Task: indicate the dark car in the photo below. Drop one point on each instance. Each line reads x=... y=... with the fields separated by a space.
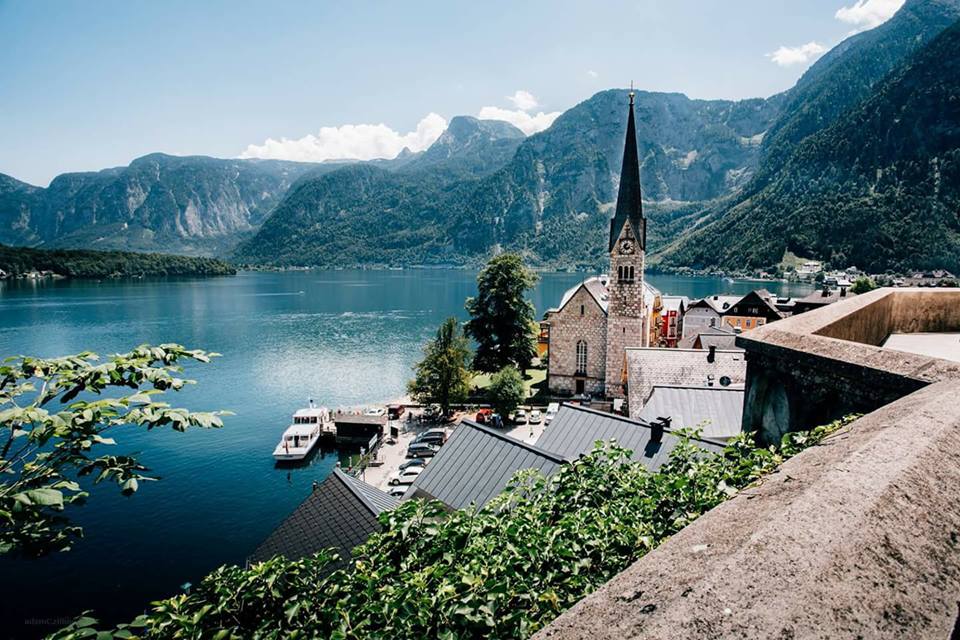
x=433 y=436
x=422 y=450
x=413 y=462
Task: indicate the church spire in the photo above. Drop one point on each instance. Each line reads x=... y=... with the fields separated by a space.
x=629 y=207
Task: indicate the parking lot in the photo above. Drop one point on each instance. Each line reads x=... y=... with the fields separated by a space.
x=391 y=456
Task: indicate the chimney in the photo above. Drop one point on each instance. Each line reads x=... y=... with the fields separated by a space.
x=657 y=428
x=712 y=354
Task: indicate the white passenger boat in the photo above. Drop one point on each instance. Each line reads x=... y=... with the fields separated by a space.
x=303 y=434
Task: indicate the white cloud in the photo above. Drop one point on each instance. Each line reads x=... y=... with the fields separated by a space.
x=523 y=100
x=526 y=122
x=521 y=117
x=867 y=14
x=351 y=141
x=787 y=56
x=592 y=73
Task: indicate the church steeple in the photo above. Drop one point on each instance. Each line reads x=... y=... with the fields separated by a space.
x=629 y=208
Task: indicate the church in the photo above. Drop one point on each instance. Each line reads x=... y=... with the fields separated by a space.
x=597 y=320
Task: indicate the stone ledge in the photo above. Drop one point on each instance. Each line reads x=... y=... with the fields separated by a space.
x=857 y=537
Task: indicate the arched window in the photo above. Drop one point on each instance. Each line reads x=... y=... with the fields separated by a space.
x=581 y=358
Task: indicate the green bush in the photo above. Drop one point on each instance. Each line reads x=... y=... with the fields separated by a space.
x=503 y=571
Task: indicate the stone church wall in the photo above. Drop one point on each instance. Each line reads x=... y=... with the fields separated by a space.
x=567 y=327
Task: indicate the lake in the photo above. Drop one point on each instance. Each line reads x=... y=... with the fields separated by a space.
x=343 y=338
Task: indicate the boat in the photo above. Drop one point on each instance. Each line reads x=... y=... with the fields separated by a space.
x=303 y=434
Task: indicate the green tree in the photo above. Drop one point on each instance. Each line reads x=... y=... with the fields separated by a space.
x=44 y=451
x=443 y=376
x=863 y=284
x=506 y=390
x=501 y=318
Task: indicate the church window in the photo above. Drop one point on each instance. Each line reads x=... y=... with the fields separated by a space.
x=581 y=357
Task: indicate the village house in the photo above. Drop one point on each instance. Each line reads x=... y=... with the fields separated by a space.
x=671 y=320
x=646 y=368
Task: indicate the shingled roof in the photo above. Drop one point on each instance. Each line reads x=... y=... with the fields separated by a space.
x=475 y=465
x=717 y=411
x=575 y=430
x=342 y=513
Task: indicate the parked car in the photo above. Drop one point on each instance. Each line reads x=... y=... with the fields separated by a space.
x=405 y=476
x=375 y=411
x=483 y=416
x=536 y=417
x=398 y=491
x=431 y=412
x=422 y=450
x=413 y=462
x=520 y=417
x=552 y=410
x=433 y=436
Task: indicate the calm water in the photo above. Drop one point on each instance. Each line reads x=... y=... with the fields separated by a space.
x=345 y=338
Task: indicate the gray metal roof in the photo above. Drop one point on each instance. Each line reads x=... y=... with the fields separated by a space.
x=341 y=512
x=475 y=465
x=716 y=410
x=575 y=430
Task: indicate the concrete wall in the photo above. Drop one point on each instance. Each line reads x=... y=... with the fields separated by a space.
x=814 y=367
x=858 y=537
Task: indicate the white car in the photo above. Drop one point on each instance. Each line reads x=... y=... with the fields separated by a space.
x=375 y=411
x=398 y=491
x=520 y=417
x=407 y=476
x=535 y=416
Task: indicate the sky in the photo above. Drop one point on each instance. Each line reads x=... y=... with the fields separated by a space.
x=95 y=84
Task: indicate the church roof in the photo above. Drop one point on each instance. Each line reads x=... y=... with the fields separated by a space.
x=629 y=207
x=596 y=286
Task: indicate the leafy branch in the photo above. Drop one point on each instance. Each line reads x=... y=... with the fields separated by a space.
x=53 y=417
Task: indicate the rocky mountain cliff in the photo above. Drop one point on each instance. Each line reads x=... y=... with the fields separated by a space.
x=556 y=186
x=190 y=205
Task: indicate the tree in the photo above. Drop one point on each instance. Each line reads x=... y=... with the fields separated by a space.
x=506 y=390
x=44 y=452
x=501 y=318
x=863 y=284
x=443 y=376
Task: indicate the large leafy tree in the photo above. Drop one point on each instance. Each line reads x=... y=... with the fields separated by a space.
x=506 y=390
x=501 y=318
x=54 y=417
x=443 y=376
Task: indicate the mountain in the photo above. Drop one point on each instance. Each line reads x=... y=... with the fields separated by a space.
x=878 y=188
x=549 y=197
x=192 y=204
x=847 y=74
x=468 y=147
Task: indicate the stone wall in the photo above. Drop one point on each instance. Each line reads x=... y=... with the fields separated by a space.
x=820 y=365
x=854 y=538
x=567 y=327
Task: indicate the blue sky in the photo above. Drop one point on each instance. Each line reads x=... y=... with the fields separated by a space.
x=88 y=85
